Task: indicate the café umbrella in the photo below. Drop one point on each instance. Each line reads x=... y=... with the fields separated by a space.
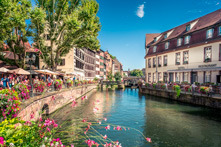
x=19 y=71
x=4 y=70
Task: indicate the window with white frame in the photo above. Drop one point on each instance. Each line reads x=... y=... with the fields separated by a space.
x=154 y=77
x=207 y=76
x=185 y=77
x=177 y=77
x=165 y=36
x=154 y=49
x=208 y=54
x=165 y=60
x=149 y=77
x=219 y=30
x=187 y=39
x=179 y=41
x=159 y=76
x=185 y=57
x=167 y=45
x=209 y=33
x=178 y=58
x=154 y=62
x=149 y=63
x=159 y=61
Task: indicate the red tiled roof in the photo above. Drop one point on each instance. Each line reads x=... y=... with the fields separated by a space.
x=203 y=22
x=150 y=37
x=10 y=55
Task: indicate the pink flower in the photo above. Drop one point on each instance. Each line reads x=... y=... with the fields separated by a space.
x=105 y=136
x=119 y=128
x=107 y=127
x=36 y=49
x=55 y=125
x=72 y=145
x=105 y=119
x=40 y=119
x=48 y=129
x=148 y=139
x=83 y=120
x=2 y=140
x=53 y=98
x=74 y=104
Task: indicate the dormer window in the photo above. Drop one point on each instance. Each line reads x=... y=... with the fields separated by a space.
x=179 y=42
x=219 y=30
x=167 y=45
x=209 y=33
x=165 y=36
x=187 y=39
x=155 y=39
x=188 y=27
x=154 y=49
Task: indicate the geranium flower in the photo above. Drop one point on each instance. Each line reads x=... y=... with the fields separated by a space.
x=2 y=140
x=148 y=139
x=105 y=136
x=107 y=127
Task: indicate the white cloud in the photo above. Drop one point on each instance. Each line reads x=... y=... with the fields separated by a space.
x=217 y=3
x=140 y=11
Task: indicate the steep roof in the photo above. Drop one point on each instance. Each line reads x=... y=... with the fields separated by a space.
x=150 y=37
x=203 y=22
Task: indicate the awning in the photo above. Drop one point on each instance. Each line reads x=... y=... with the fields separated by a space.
x=46 y=72
x=196 y=69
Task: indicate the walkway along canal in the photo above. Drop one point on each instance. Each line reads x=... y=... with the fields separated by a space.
x=167 y=122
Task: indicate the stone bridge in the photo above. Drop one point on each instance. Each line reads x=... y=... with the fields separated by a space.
x=132 y=80
x=50 y=102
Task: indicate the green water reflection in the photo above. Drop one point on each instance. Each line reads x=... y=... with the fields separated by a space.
x=167 y=123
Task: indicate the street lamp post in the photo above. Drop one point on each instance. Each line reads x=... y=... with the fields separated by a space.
x=31 y=60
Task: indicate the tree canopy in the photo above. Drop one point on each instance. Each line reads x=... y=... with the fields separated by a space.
x=14 y=31
x=136 y=72
x=65 y=24
x=117 y=76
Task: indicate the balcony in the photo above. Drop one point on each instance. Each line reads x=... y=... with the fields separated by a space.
x=185 y=62
x=207 y=60
x=154 y=66
x=165 y=64
x=159 y=65
x=177 y=63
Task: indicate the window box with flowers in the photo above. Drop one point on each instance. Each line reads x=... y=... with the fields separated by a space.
x=165 y=64
x=159 y=65
x=185 y=62
x=154 y=65
x=207 y=60
x=177 y=63
x=57 y=84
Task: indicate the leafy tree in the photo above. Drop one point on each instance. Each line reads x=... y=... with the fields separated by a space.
x=117 y=76
x=110 y=76
x=136 y=72
x=14 y=31
x=66 y=24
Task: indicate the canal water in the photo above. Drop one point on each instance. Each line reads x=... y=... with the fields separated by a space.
x=168 y=123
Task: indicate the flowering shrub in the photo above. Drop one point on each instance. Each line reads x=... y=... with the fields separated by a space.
x=204 y=90
x=22 y=90
x=147 y=85
x=9 y=103
x=39 y=86
x=17 y=132
x=69 y=83
x=57 y=84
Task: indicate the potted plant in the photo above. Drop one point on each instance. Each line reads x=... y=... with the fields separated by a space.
x=39 y=87
x=22 y=91
x=57 y=84
x=69 y=83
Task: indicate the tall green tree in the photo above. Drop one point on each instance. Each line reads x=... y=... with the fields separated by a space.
x=14 y=31
x=136 y=72
x=67 y=24
x=117 y=76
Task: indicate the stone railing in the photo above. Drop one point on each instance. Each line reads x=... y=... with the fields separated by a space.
x=50 y=102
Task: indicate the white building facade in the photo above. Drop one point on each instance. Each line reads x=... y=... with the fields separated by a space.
x=188 y=53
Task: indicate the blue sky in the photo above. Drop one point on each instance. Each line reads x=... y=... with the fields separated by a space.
x=125 y=23
x=123 y=29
